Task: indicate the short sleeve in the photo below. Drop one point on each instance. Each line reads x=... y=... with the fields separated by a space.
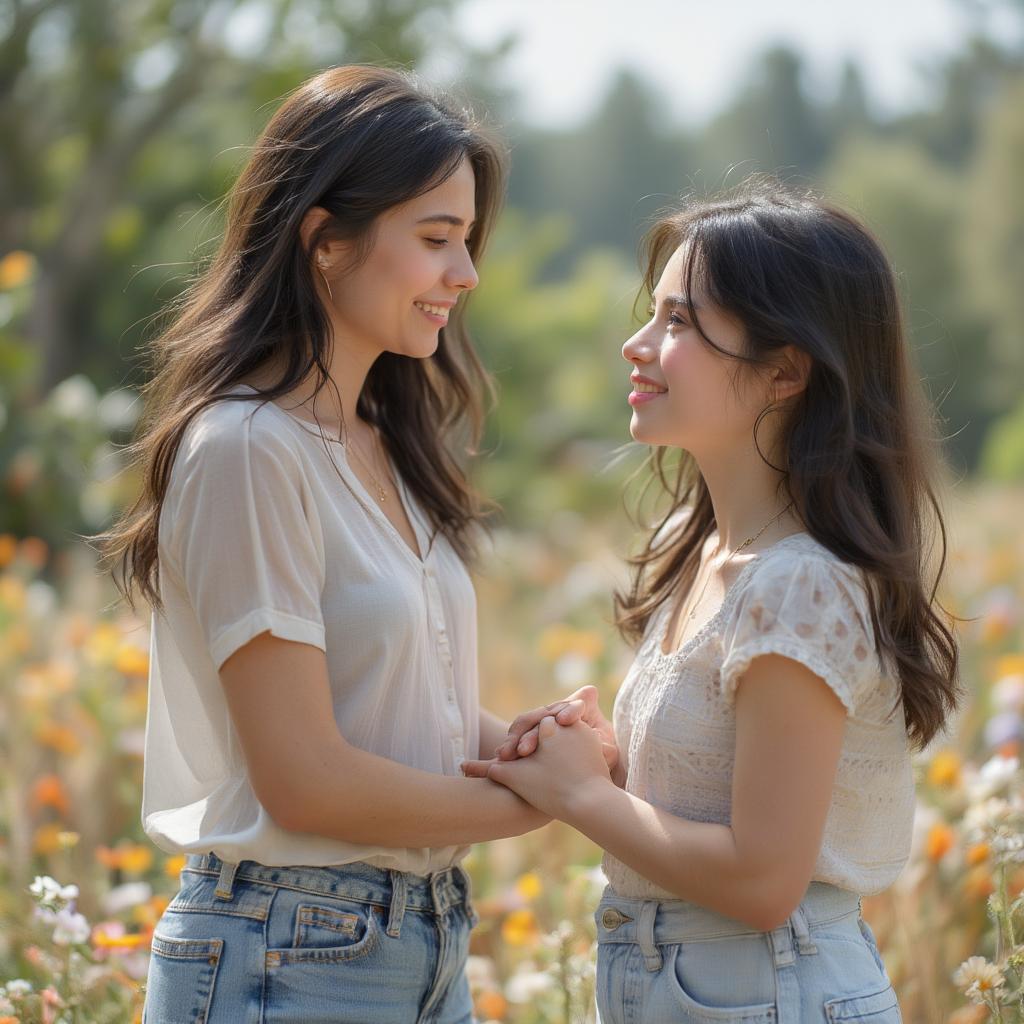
x=242 y=533
x=807 y=608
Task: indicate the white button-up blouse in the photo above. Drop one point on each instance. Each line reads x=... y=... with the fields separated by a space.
x=266 y=527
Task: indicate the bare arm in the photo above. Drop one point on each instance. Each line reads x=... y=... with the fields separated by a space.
x=789 y=733
x=310 y=779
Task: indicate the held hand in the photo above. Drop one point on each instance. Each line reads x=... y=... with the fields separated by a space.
x=522 y=734
x=567 y=766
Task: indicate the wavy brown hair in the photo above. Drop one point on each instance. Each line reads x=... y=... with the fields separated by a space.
x=861 y=453
x=356 y=141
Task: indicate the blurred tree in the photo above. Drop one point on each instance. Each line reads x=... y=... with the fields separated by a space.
x=992 y=241
x=610 y=175
x=114 y=124
x=913 y=204
x=772 y=125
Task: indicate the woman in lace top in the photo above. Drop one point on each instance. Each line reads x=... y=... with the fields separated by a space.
x=790 y=652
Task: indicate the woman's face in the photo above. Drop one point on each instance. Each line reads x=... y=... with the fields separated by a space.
x=400 y=297
x=684 y=393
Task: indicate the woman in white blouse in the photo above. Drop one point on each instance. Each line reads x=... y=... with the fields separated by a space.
x=313 y=687
x=790 y=648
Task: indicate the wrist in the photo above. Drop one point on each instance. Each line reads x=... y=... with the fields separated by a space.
x=590 y=801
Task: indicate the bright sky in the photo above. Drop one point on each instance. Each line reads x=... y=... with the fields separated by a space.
x=698 y=53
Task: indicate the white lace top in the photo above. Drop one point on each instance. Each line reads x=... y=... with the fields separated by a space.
x=675 y=714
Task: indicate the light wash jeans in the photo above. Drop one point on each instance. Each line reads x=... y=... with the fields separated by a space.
x=300 y=945
x=673 y=961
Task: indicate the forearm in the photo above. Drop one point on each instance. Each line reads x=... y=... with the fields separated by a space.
x=360 y=797
x=493 y=731
x=695 y=861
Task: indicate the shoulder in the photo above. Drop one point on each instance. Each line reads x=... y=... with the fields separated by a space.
x=802 y=576
x=230 y=438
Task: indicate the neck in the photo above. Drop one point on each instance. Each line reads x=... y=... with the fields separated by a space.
x=745 y=497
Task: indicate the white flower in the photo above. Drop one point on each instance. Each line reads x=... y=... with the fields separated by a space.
x=995 y=775
x=51 y=894
x=480 y=972
x=1008 y=693
x=984 y=818
x=71 y=928
x=126 y=896
x=18 y=987
x=526 y=984
x=573 y=670
x=977 y=977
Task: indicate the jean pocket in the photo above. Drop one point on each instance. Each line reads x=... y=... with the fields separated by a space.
x=879 y=1007
x=181 y=979
x=326 y=933
x=703 y=975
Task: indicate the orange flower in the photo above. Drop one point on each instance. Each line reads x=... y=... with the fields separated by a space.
x=491 y=1005
x=129 y=857
x=173 y=866
x=58 y=737
x=944 y=769
x=8 y=549
x=978 y=883
x=976 y=854
x=520 y=928
x=940 y=841
x=16 y=268
x=48 y=791
x=105 y=938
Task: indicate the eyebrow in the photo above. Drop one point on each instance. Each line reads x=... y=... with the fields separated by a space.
x=444 y=218
x=675 y=301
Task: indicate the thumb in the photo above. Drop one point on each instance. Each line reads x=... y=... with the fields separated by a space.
x=548 y=726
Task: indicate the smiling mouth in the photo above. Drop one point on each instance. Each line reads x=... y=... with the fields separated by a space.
x=641 y=388
x=439 y=314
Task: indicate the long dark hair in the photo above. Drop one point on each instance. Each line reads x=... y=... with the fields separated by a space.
x=355 y=140
x=861 y=450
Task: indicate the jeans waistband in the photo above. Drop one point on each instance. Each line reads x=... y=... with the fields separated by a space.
x=620 y=919
x=398 y=890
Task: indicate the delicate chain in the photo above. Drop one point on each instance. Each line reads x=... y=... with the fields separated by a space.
x=745 y=544
x=349 y=442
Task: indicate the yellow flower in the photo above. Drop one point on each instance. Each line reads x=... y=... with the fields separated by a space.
x=12 y=593
x=103 y=643
x=16 y=268
x=944 y=769
x=47 y=839
x=529 y=885
x=520 y=928
x=1009 y=665
x=132 y=661
x=173 y=866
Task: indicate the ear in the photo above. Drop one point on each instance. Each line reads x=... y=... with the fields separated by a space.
x=314 y=219
x=790 y=375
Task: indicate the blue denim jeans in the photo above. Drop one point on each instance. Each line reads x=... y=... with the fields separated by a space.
x=300 y=945
x=673 y=961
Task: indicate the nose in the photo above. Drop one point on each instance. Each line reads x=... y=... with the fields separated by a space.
x=461 y=273
x=639 y=349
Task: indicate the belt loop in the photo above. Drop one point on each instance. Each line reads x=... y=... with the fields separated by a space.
x=798 y=919
x=781 y=939
x=225 y=881
x=396 y=912
x=645 y=935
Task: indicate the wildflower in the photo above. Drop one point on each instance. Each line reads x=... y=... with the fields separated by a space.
x=978 y=978
x=944 y=769
x=17 y=988
x=71 y=928
x=940 y=841
x=48 y=791
x=529 y=886
x=520 y=928
x=995 y=775
x=527 y=983
x=51 y=894
x=982 y=819
x=123 y=897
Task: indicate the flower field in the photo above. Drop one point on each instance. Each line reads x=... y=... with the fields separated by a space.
x=82 y=889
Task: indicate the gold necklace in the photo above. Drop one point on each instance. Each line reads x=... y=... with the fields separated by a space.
x=349 y=442
x=745 y=544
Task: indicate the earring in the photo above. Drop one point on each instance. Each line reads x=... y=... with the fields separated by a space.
x=327 y=284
